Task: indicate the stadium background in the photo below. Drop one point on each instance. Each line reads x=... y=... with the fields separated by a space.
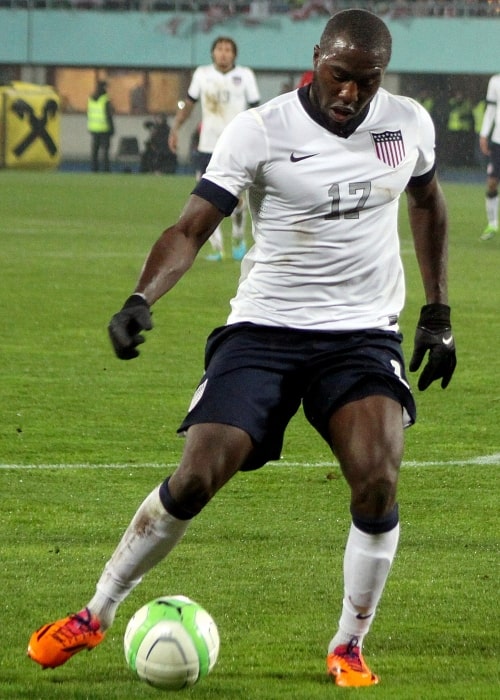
x=82 y=439
x=147 y=50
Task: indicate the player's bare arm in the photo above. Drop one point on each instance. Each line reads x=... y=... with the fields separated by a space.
x=484 y=145
x=183 y=114
x=433 y=337
x=175 y=250
x=429 y=225
x=169 y=258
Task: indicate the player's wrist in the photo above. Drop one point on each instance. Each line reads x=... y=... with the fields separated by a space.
x=135 y=299
x=435 y=316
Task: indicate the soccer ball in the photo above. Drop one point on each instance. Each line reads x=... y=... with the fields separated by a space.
x=171 y=642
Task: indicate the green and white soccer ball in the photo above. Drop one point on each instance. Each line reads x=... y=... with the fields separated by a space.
x=171 y=642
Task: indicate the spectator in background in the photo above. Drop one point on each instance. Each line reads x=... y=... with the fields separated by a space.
x=224 y=89
x=100 y=125
x=489 y=141
x=157 y=156
x=460 y=136
x=426 y=100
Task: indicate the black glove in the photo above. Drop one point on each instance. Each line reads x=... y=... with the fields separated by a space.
x=434 y=334
x=125 y=327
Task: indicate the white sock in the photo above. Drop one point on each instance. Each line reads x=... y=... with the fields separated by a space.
x=216 y=240
x=367 y=562
x=492 y=211
x=151 y=535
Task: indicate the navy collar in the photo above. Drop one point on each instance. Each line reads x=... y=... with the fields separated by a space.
x=345 y=130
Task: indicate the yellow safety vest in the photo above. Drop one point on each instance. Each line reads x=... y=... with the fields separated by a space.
x=97 y=119
x=460 y=117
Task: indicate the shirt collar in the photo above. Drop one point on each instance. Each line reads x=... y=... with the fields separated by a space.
x=343 y=130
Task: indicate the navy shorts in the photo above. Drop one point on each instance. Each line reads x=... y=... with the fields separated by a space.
x=493 y=168
x=256 y=378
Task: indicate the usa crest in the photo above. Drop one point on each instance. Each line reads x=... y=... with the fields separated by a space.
x=389 y=147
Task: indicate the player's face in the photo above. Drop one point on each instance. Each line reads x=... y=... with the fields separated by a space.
x=223 y=56
x=345 y=79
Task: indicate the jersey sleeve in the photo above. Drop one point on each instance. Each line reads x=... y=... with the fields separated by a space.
x=488 y=120
x=241 y=149
x=493 y=90
x=218 y=196
x=426 y=152
x=252 y=93
x=195 y=86
x=491 y=106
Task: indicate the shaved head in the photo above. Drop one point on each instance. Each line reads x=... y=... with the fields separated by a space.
x=358 y=29
x=349 y=64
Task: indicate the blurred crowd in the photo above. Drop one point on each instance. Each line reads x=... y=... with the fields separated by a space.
x=297 y=9
x=458 y=120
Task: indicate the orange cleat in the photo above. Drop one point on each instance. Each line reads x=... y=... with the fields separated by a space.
x=53 y=644
x=347 y=668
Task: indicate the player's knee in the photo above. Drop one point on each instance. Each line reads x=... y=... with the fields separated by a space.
x=374 y=495
x=187 y=495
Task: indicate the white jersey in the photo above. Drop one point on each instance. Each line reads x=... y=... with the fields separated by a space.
x=324 y=209
x=491 y=119
x=223 y=96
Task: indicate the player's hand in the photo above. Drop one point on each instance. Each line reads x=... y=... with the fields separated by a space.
x=125 y=327
x=434 y=334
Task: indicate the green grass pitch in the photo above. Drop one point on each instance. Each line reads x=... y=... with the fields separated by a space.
x=85 y=437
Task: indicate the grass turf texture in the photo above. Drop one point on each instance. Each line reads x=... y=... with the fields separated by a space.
x=84 y=436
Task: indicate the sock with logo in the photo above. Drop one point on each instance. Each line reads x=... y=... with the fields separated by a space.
x=370 y=550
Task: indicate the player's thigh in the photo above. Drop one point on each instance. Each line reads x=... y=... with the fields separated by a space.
x=259 y=402
x=213 y=453
x=368 y=365
x=366 y=435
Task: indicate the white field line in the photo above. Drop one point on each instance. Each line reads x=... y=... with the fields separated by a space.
x=471 y=462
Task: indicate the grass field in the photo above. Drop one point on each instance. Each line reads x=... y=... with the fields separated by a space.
x=85 y=437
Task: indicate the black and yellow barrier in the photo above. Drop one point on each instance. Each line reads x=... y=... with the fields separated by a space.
x=30 y=120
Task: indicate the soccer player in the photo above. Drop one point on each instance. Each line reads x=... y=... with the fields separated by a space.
x=314 y=321
x=489 y=142
x=225 y=90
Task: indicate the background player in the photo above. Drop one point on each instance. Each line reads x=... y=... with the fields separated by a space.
x=224 y=90
x=314 y=321
x=489 y=142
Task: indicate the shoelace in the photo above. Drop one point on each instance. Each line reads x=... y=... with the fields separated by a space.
x=352 y=655
x=74 y=625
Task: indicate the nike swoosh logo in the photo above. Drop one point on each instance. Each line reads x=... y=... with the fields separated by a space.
x=448 y=340
x=359 y=616
x=295 y=159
